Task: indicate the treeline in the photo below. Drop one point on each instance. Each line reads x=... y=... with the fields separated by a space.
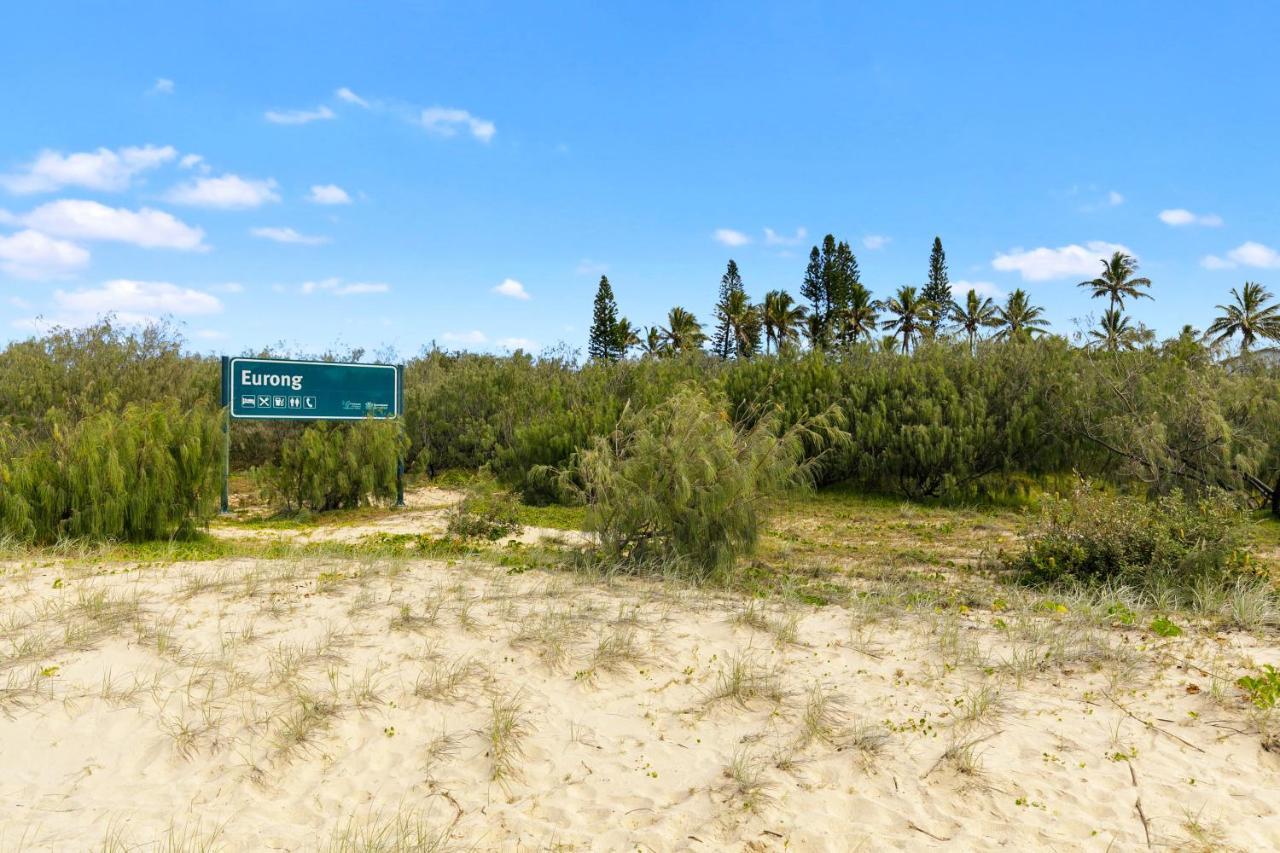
x=842 y=312
x=113 y=433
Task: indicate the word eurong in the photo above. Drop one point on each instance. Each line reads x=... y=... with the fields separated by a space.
x=273 y=380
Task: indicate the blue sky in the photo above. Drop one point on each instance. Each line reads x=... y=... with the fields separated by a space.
x=389 y=174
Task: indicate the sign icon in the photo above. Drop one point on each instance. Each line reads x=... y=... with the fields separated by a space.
x=295 y=402
x=278 y=402
x=264 y=401
x=248 y=401
x=308 y=402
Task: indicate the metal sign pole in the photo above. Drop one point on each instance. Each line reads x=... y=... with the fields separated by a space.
x=226 y=435
x=399 y=414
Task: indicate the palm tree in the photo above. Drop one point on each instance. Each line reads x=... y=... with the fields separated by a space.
x=975 y=314
x=1018 y=319
x=743 y=320
x=683 y=332
x=859 y=318
x=1115 y=332
x=782 y=318
x=1116 y=281
x=628 y=335
x=911 y=312
x=1250 y=317
x=653 y=344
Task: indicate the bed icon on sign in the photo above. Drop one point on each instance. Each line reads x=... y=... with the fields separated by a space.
x=247 y=401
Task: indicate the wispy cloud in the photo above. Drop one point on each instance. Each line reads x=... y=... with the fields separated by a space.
x=350 y=97
x=875 y=241
x=30 y=254
x=1248 y=254
x=586 y=266
x=162 y=86
x=228 y=192
x=773 y=238
x=328 y=194
x=320 y=113
x=730 y=237
x=447 y=121
x=1045 y=264
x=517 y=343
x=337 y=287
x=288 y=235
x=474 y=337
x=1179 y=217
x=103 y=170
x=512 y=289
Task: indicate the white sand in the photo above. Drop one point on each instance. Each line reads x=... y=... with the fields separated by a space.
x=195 y=738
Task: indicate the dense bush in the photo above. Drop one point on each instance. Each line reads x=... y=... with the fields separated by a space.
x=146 y=472
x=1170 y=542
x=485 y=513
x=335 y=466
x=680 y=488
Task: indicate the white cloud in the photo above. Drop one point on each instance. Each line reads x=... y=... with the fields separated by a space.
x=134 y=301
x=1249 y=254
x=875 y=241
x=517 y=343
x=773 y=238
x=586 y=266
x=729 y=237
x=229 y=287
x=320 y=113
x=474 y=337
x=191 y=161
x=30 y=254
x=79 y=219
x=345 y=94
x=163 y=86
x=361 y=287
x=228 y=192
x=103 y=170
x=210 y=334
x=1115 y=199
x=960 y=289
x=287 y=235
x=512 y=288
x=1044 y=264
x=328 y=194
x=338 y=287
x=19 y=302
x=1179 y=216
x=443 y=121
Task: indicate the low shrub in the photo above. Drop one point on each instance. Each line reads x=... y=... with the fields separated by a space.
x=485 y=514
x=150 y=471
x=1172 y=542
x=335 y=466
x=680 y=488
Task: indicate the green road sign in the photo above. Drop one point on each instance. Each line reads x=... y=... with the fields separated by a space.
x=277 y=389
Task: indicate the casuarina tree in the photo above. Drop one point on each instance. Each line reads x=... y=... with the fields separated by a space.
x=938 y=288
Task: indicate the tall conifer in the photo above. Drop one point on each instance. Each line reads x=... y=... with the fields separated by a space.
x=604 y=343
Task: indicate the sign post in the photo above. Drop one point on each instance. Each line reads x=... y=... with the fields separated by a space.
x=276 y=389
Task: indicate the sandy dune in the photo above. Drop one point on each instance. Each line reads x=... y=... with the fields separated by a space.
x=287 y=705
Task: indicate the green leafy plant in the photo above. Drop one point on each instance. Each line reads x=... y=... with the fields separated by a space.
x=1263 y=689
x=1162 y=627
